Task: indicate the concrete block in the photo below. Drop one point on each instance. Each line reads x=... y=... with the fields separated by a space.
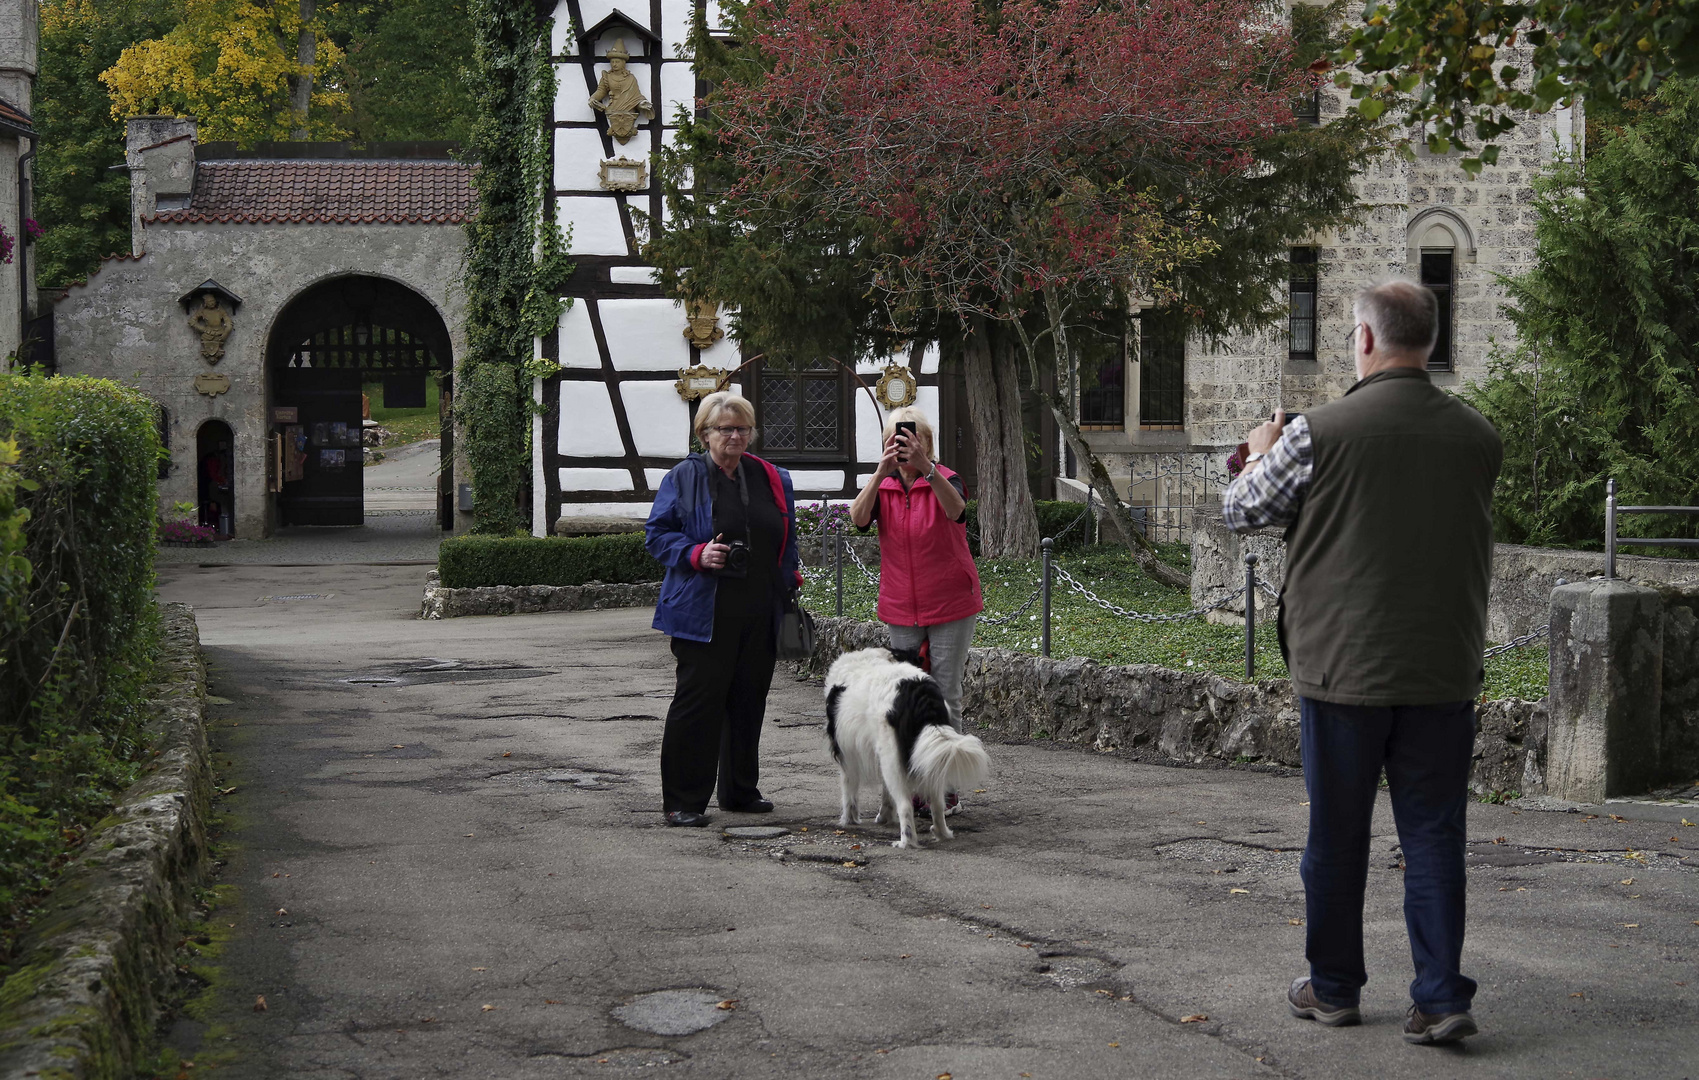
x=1606 y=687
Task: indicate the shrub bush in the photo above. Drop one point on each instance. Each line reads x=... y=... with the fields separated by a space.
x=77 y=619
x=1055 y=518
x=467 y=562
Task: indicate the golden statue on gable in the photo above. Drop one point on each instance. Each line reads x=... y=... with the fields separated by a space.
x=619 y=95
x=213 y=324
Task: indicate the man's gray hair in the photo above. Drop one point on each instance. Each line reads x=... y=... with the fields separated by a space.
x=1403 y=315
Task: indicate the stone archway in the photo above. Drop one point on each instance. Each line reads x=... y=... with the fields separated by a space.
x=326 y=342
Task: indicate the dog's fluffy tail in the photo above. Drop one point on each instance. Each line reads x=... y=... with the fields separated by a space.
x=944 y=760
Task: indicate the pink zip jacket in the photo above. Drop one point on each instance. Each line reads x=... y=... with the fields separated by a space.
x=926 y=572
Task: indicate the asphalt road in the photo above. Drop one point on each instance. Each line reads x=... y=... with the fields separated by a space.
x=448 y=860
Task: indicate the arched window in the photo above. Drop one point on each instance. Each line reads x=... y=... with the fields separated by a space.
x=1437 y=255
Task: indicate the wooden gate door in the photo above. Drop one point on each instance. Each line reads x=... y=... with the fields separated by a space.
x=331 y=490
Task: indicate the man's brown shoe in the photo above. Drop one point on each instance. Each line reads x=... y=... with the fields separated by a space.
x=1428 y=1029
x=1305 y=1006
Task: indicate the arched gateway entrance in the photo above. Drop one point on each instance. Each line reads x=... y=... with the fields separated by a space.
x=327 y=342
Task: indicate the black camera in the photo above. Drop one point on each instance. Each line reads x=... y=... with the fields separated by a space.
x=737 y=560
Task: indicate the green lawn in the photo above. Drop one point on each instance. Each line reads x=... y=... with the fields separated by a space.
x=1081 y=628
x=408 y=425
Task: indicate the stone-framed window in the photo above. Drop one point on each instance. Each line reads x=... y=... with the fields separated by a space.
x=1301 y=292
x=1438 y=275
x=1103 y=382
x=1162 y=372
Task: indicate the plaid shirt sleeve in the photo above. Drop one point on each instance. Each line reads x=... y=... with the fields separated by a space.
x=1272 y=493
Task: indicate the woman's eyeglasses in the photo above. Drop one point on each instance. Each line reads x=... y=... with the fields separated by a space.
x=737 y=432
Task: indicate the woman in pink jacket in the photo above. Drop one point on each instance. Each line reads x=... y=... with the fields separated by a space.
x=928 y=585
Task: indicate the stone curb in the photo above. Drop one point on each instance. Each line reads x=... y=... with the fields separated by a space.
x=443 y=603
x=83 y=996
x=1183 y=715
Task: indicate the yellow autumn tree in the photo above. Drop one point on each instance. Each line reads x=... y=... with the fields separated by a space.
x=230 y=64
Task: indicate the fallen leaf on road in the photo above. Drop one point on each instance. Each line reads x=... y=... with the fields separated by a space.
x=1203 y=823
x=480 y=969
x=728 y=1005
x=855 y=847
x=1631 y=926
x=259 y=1003
x=471 y=834
x=1618 y=817
x=1230 y=892
x=1114 y=1046
x=803 y=829
x=1687 y=823
x=283 y=911
x=987 y=907
x=943 y=1076
x=981 y=791
x=227 y=791
x=1295 y=922
x=1627 y=881
x=1498 y=840
x=837 y=832
x=1026 y=944
x=550 y=1001
x=1195 y=1018
x=486 y=1008
x=1578 y=994
x=1110 y=992
x=399 y=746
x=1306 y=802
x=849 y=865
x=508 y=754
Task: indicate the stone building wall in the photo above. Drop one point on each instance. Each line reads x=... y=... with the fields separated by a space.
x=126 y=323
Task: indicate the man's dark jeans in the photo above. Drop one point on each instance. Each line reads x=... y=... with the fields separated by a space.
x=1426 y=751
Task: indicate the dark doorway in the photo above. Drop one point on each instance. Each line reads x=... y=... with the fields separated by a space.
x=215 y=470
x=327 y=343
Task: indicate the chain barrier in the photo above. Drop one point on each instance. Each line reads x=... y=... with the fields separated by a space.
x=1003 y=620
x=1139 y=616
x=1518 y=642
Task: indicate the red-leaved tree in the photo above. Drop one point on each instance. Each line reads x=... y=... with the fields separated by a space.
x=1020 y=163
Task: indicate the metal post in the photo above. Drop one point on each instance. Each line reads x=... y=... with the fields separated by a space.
x=1250 y=616
x=1610 y=529
x=838 y=562
x=1044 y=587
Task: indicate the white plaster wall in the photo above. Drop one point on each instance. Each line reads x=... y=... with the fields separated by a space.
x=645 y=334
x=595 y=480
x=587 y=427
x=578 y=338
x=595 y=225
x=678 y=88
x=572 y=100
x=654 y=477
x=578 y=159
x=125 y=324
x=724 y=353
x=631 y=511
x=659 y=419
x=561 y=39
x=631 y=275
x=817 y=480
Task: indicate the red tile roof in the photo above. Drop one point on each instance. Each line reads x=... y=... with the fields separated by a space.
x=260 y=191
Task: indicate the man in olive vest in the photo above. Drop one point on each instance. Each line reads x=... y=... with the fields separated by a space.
x=1386 y=497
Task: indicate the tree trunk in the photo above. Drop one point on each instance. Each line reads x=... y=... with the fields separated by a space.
x=306 y=54
x=1062 y=408
x=1008 y=523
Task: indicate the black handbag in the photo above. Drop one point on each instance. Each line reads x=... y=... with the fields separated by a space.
x=796 y=630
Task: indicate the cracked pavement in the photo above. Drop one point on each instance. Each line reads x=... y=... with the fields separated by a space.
x=455 y=866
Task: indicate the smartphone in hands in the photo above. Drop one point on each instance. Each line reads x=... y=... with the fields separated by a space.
x=908 y=426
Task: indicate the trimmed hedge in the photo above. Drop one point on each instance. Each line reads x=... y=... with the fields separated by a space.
x=468 y=562
x=78 y=461
x=1054 y=518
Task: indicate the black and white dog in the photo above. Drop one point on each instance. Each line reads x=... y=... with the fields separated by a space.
x=887 y=718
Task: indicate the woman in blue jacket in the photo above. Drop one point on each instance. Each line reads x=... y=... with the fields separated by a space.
x=724 y=526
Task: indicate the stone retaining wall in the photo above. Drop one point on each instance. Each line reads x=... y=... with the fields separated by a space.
x=1523 y=577
x=1182 y=715
x=441 y=603
x=83 y=997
